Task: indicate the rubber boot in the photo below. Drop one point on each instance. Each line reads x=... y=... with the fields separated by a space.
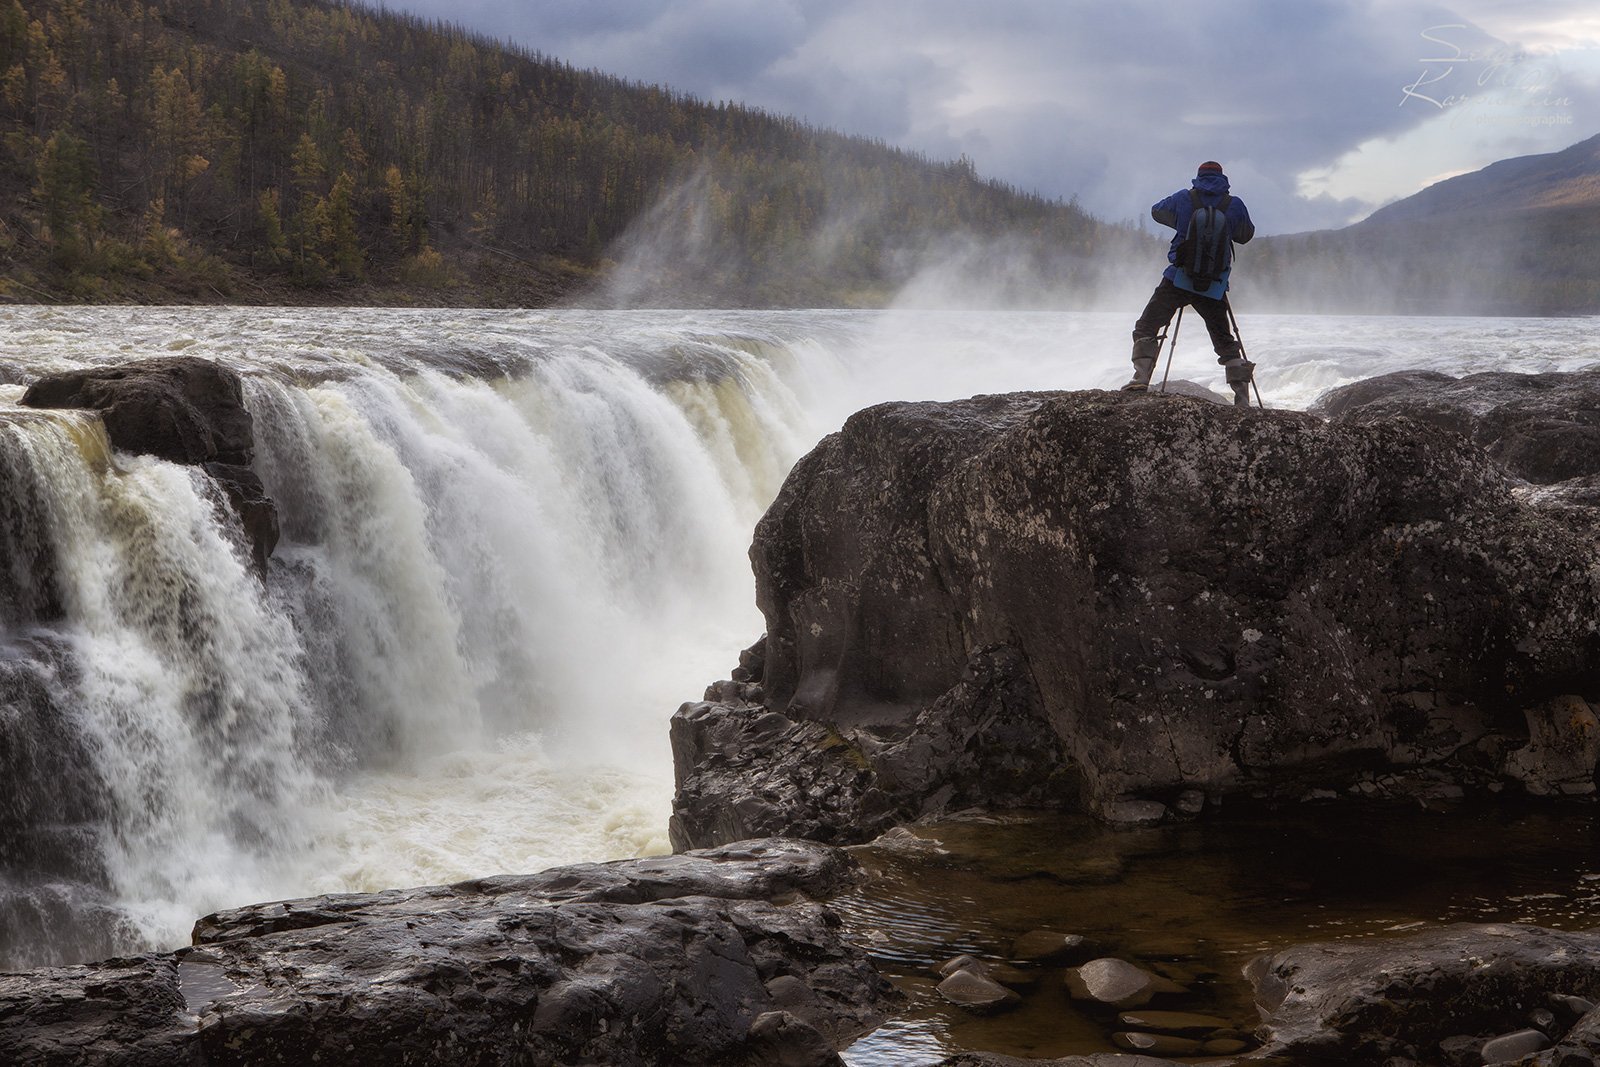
x=1240 y=373
x=1146 y=350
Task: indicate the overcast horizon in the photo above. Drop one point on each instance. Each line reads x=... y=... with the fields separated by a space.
x=1320 y=112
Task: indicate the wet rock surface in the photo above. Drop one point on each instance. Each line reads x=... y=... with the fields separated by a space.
x=717 y=957
x=1095 y=599
x=179 y=408
x=1541 y=427
x=745 y=770
x=1444 y=995
x=1117 y=983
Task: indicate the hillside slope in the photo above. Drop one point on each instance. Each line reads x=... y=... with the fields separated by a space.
x=1569 y=178
x=299 y=151
x=1515 y=238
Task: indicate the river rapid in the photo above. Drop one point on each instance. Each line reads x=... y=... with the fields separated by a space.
x=512 y=543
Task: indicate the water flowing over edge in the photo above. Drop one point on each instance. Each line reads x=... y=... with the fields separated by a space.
x=512 y=542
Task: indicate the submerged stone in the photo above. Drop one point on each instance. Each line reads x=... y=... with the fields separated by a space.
x=1572 y=1008
x=1050 y=946
x=1174 y=1021
x=1223 y=1046
x=1158 y=1044
x=974 y=991
x=1117 y=983
x=1514 y=1046
x=1135 y=812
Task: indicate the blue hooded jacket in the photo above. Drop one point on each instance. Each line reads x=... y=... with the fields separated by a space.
x=1175 y=210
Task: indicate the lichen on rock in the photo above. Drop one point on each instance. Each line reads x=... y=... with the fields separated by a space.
x=1153 y=599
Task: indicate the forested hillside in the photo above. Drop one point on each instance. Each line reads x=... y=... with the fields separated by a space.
x=298 y=151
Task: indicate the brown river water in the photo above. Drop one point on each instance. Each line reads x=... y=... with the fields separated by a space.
x=1203 y=897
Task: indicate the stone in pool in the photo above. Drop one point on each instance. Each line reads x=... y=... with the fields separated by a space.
x=1004 y=973
x=1509 y=1047
x=971 y=990
x=1049 y=946
x=1172 y=1021
x=1117 y=983
x=1160 y=1044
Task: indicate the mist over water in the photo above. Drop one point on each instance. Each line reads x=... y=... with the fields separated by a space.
x=512 y=543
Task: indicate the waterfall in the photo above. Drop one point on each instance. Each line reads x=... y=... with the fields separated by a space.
x=496 y=577
x=511 y=543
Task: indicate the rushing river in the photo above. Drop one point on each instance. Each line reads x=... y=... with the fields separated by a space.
x=512 y=543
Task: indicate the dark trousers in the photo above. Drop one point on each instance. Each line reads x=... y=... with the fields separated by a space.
x=1165 y=302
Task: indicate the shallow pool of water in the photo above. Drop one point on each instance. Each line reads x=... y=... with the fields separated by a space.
x=1204 y=898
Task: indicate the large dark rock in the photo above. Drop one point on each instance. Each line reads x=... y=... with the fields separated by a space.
x=1541 y=427
x=179 y=408
x=1172 y=596
x=1362 y=1002
x=663 y=961
x=744 y=770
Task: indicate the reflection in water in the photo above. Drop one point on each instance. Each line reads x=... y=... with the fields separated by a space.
x=1204 y=897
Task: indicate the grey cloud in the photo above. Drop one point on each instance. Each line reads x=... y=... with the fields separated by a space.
x=1113 y=103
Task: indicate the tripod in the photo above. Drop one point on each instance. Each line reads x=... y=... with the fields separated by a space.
x=1173 y=347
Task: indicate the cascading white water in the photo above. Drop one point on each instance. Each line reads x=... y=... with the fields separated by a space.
x=512 y=543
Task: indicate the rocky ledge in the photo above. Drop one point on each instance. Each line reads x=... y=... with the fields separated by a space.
x=721 y=957
x=182 y=409
x=1139 y=604
x=1458 y=996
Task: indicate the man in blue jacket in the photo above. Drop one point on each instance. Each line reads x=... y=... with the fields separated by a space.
x=1210 y=188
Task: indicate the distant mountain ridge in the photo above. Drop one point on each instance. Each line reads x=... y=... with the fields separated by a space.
x=1568 y=178
x=1518 y=237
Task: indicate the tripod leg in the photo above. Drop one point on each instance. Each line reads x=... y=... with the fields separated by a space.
x=1233 y=320
x=1171 y=349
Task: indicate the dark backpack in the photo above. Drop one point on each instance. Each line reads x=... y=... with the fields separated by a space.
x=1207 y=249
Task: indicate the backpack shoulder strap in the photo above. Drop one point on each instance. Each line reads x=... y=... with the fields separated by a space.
x=1222 y=205
x=1194 y=197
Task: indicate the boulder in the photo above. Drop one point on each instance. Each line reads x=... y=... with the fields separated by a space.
x=663 y=961
x=744 y=770
x=1542 y=427
x=1157 y=1044
x=972 y=989
x=178 y=408
x=1364 y=1001
x=1509 y=1048
x=1176 y=1022
x=1051 y=946
x=1093 y=599
x=1117 y=983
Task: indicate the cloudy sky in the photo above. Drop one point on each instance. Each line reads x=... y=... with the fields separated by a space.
x=1319 y=110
